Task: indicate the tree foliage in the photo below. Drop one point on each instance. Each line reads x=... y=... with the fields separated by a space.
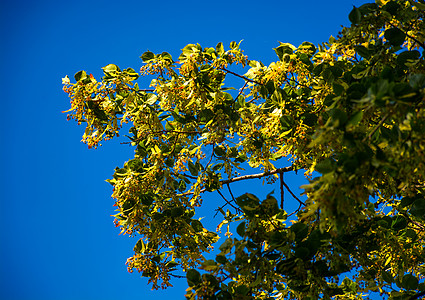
x=349 y=113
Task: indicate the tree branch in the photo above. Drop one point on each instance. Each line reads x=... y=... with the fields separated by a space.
x=252 y=176
x=240 y=92
x=240 y=76
x=227 y=202
x=260 y=175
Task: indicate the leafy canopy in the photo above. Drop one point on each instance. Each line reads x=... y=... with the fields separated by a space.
x=349 y=113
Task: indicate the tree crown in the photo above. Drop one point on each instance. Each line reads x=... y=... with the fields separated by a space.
x=349 y=113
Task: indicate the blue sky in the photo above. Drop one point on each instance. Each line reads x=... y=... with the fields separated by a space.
x=57 y=237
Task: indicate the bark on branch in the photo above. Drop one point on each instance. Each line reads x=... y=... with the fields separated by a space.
x=259 y=175
x=245 y=177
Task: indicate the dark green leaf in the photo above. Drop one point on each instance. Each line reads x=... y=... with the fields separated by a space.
x=399 y=222
x=410 y=282
x=325 y=166
x=220 y=151
x=308 y=47
x=221 y=259
x=302 y=252
x=241 y=229
x=395 y=36
x=197 y=225
x=192 y=168
x=284 y=48
x=418 y=208
x=355 y=15
x=362 y=51
x=193 y=277
x=407 y=57
x=387 y=277
x=300 y=230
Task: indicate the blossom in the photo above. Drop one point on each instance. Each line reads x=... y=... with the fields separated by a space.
x=66 y=80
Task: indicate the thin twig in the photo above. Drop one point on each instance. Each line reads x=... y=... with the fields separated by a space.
x=227 y=201
x=240 y=92
x=293 y=195
x=297 y=210
x=240 y=76
x=177 y=276
x=144 y=90
x=230 y=191
x=376 y=127
x=281 y=190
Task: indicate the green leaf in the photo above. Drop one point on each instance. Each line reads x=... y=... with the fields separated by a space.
x=362 y=51
x=249 y=203
x=140 y=247
x=146 y=199
x=192 y=169
x=226 y=246
x=166 y=56
x=355 y=15
x=399 y=222
x=418 y=208
x=395 y=36
x=168 y=126
x=339 y=117
x=219 y=151
x=325 y=166
x=151 y=99
x=147 y=56
x=406 y=58
x=193 y=277
x=209 y=265
x=284 y=48
x=241 y=229
x=177 y=211
x=234 y=45
x=387 y=277
x=221 y=259
x=81 y=75
x=196 y=225
x=409 y=282
x=309 y=48
x=219 y=48
x=111 y=68
x=242 y=290
x=417 y=81
x=356 y=118
x=300 y=230
x=302 y=252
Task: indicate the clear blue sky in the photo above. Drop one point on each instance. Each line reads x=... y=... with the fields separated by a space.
x=57 y=238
